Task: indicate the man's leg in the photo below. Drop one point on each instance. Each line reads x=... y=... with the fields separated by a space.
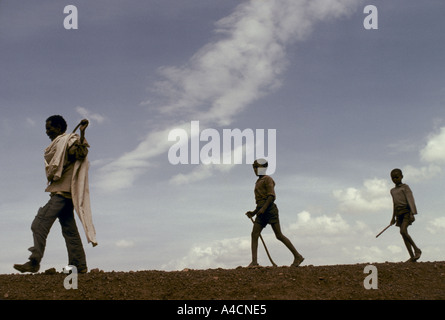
x=42 y=224
x=40 y=227
x=298 y=258
x=76 y=253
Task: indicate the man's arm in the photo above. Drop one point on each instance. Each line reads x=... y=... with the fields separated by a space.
x=79 y=150
x=83 y=127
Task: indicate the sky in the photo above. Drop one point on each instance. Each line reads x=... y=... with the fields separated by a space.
x=339 y=104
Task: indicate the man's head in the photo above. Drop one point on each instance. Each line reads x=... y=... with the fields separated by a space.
x=260 y=167
x=55 y=126
x=396 y=176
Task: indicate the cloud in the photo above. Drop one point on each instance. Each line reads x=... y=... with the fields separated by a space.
x=199 y=173
x=120 y=173
x=370 y=253
x=313 y=236
x=434 y=150
x=31 y=122
x=226 y=253
x=85 y=113
x=326 y=225
x=373 y=196
x=420 y=174
x=123 y=244
x=437 y=226
x=225 y=76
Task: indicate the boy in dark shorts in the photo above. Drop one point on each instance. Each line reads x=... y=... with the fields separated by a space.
x=404 y=211
x=267 y=213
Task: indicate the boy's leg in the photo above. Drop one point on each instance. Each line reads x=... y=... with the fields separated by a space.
x=409 y=243
x=298 y=258
x=76 y=253
x=256 y=231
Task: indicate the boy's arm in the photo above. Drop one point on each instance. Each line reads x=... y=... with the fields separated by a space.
x=410 y=200
x=393 y=219
x=269 y=201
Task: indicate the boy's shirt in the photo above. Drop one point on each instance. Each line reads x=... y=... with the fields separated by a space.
x=264 y=187
x=403 y=198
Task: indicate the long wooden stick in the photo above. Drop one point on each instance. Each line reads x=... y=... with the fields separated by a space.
x=383 y=230
x=264 y=244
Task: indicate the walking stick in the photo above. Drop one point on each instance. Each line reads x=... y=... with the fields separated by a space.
x=83 y=122
x=383 y=230
x=264 y=244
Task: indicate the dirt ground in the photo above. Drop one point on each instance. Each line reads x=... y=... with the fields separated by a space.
x=395 y=281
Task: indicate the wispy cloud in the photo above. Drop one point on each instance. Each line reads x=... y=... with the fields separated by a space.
x=227 y=75
x=199 y=173
x=30 y=122
x=85 y=113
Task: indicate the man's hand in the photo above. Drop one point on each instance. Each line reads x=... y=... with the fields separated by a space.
x=250 y=214
x=84 y=124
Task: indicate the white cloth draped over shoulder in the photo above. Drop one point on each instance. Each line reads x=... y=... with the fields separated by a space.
x=55 y=156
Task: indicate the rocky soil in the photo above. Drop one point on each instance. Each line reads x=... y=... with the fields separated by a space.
x=395 y=281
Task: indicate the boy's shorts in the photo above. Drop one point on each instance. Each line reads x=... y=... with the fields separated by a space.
x=408 y=217
x=270 y=216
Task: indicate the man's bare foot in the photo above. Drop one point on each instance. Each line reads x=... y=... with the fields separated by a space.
x=297 y=261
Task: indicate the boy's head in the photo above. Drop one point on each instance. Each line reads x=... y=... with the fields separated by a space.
x=260 y=167
x=55 y=126
x=396 y=176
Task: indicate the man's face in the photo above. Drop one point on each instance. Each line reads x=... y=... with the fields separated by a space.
x=51 y=131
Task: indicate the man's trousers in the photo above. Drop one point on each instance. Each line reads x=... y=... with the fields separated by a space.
x=63 y=209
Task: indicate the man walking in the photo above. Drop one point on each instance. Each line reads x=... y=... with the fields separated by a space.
x=66 y=166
